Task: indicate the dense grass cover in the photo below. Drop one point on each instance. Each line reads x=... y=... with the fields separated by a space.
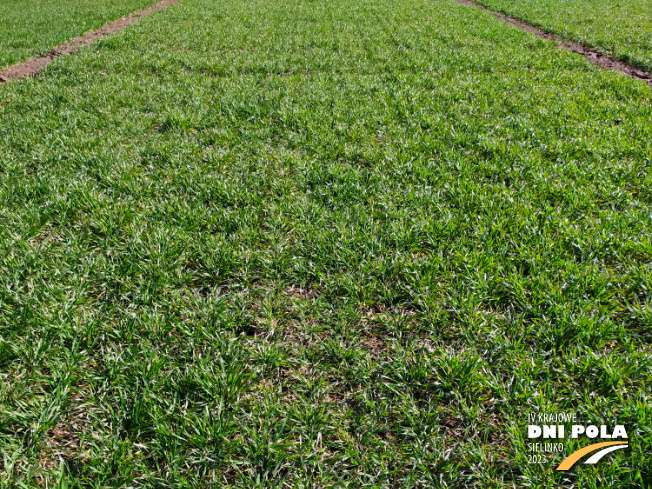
x=622 y=28
x=32 y=27
x=274 y=243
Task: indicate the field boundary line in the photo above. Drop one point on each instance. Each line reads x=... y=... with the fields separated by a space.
x=593 y=56
x=33 y=66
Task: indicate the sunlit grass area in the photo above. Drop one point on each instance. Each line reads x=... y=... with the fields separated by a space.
x=303 y=244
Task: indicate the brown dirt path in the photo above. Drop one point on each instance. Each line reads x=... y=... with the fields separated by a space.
x=595 y=57
x=32 y=66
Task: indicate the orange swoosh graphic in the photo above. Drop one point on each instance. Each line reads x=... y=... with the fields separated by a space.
x=575 y=456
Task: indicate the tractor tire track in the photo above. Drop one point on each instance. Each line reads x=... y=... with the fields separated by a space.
x=33 y=66
x=594 y=57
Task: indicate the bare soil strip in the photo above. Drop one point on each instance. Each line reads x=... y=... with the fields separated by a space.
x=593 y=56
x=32 y=66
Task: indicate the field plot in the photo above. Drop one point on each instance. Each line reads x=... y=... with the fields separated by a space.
x=32 y=27
x=300 y=244
x=622 y=28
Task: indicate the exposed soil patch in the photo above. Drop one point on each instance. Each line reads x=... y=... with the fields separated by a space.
x=593 y=56
x=300 y=293
x=33 y=66
x=375 y=346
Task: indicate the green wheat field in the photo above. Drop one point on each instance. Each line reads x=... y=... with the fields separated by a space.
x=319 y=244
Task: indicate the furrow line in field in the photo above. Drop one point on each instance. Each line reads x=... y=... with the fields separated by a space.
x=33 y=66
x=593 y=56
